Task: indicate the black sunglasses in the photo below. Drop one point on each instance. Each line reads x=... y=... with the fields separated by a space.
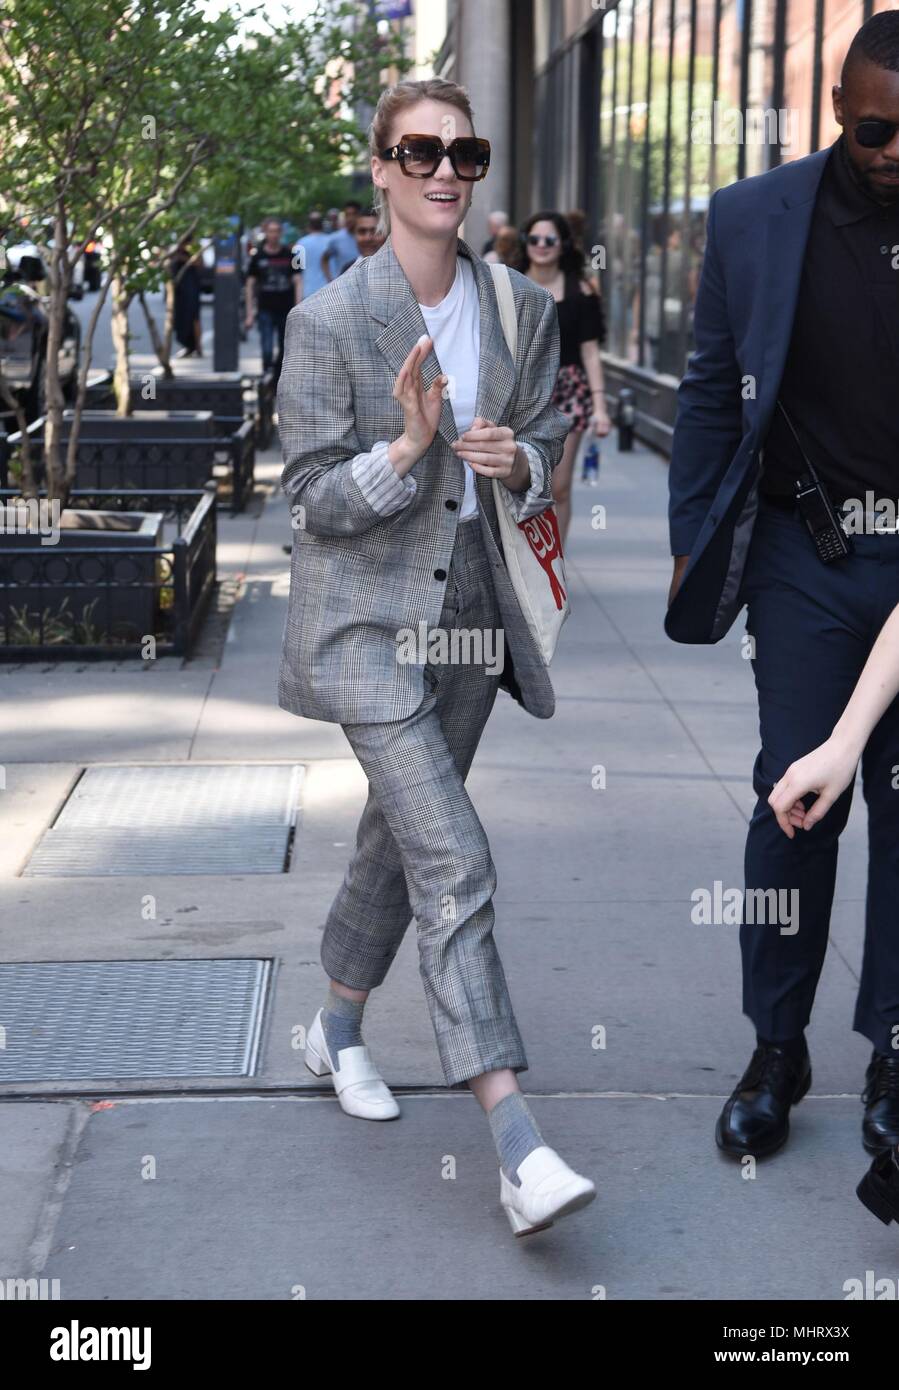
x=874 y=134
x=420 y=156
x=542 y=240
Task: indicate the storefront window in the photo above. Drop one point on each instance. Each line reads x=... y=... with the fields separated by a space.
x=636 y=347
x=841 y=20
x=689 y=95
x=799 y=75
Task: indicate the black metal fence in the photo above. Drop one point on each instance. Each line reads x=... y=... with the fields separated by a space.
x=153 y=463
x=110 y=597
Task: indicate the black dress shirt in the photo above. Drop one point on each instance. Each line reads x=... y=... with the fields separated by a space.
x=840 y=385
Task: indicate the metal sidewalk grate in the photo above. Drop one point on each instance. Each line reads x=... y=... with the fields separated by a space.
x=131 y=1019
x=189 y=819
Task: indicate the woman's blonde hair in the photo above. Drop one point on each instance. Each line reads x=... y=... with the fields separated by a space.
x=397 y=99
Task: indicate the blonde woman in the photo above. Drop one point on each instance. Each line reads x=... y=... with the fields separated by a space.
x=826 y=772
x=398 y=405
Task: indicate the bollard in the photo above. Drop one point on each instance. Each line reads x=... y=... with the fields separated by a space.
x=625 y=416
x=590 y=467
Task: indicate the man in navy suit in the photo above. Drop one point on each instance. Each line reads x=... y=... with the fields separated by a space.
x=795 y=374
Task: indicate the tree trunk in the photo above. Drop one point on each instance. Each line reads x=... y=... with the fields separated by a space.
x=121 y=300
x=170 y=325
x=162 y=346
x=57 y=486
x=87 y=352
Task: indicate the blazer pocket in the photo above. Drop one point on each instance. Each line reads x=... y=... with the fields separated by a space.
x=347 y=550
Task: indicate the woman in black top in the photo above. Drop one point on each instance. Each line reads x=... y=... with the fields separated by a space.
x=551 y=258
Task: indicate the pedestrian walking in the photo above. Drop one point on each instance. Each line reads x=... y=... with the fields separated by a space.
x=342 y=248
x=274 y=287
x=495 y=220
x=366 y=235
x=398 y=406
x=506 y=248
x=184 y=271
x=550 y=257
x=798 y=301
x=308 y=252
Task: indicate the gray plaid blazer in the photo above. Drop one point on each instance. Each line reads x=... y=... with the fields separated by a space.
x=372 y=550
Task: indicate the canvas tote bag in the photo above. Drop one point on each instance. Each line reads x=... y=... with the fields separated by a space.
x=533 y=548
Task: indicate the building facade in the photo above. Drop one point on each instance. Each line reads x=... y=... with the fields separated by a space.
x=635 y=111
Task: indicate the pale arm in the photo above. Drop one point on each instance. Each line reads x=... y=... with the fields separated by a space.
x=829 y=769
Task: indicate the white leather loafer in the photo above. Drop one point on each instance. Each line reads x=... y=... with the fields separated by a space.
x=549 y=1189
x=359 y=1086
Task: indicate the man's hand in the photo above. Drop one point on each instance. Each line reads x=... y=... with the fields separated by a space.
x=680 y=564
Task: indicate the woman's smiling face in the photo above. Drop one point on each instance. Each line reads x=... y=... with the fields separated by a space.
x=545 y=255
x=434 y=206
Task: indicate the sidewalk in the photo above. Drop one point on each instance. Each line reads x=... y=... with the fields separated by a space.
x=263 y=1183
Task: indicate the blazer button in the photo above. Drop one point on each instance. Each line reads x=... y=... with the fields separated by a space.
x=451 y=503
x=440 y=574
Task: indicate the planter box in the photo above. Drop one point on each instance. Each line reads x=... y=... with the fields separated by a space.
x=220 y=392
x=105 y=425
x=109 y=580
x=157 y=449
x=97 y=583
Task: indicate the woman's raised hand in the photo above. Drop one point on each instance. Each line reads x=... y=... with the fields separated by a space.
x=421 y=407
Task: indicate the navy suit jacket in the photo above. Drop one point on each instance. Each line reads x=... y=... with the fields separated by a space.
x=743 y=320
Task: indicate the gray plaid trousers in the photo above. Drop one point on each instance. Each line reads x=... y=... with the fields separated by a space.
x=421 y=849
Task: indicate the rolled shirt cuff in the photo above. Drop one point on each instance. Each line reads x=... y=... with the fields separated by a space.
x=533 y=501
x=378 y=481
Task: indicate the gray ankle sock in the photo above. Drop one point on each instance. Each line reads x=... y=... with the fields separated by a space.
x=342 y=1022
x=515 y=1133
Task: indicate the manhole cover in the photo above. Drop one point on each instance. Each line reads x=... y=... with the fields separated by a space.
x=86 y=1020
x=190 y=819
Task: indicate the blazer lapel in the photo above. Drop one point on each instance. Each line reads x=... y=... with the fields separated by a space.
x=392 y=303
x=787 y=232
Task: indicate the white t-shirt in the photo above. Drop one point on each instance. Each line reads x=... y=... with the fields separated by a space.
x=455 y=327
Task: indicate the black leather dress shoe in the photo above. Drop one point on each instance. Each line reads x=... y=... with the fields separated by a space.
x=879 y=1188
x=880 y=1127
x=756 y=1118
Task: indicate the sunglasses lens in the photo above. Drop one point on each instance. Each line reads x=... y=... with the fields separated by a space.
x=872 y=134
x=472 y=159
x=420 y=156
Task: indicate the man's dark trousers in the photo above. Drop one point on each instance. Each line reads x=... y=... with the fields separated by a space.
x=813 y=627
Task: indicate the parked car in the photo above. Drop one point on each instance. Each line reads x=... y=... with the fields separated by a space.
x=23 y=336
x=35 y=252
